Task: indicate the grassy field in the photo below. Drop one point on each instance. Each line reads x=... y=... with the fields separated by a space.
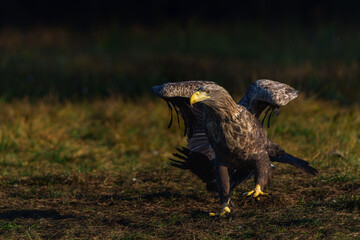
x=98 y=170
x=84 y=147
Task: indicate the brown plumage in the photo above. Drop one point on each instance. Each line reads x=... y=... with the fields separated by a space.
x=229 y=135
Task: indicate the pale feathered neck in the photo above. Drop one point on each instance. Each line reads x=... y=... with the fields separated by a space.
x=223 y=107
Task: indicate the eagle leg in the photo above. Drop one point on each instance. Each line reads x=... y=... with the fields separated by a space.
x=223 y=212
x=223 y=186
x=263 y=173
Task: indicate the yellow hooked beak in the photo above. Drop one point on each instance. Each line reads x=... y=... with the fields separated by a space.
x=198 y=97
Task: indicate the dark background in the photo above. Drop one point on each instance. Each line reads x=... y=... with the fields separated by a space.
x=86 y=49
x=84 y=14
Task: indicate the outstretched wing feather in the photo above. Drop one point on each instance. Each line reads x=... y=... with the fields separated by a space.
x=265 y=93
x=177 y=95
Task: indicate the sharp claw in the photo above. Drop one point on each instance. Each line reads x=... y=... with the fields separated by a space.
x=249 y=193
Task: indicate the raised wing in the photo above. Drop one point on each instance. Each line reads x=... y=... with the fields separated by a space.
x=199 y=156
x=269 y=94
x=177 y=95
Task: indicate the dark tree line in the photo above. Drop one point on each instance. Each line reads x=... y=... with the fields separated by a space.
x=83 y=13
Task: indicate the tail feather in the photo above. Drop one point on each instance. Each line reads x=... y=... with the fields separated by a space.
x=197 y=163
x=296 y=162
x=202 y=167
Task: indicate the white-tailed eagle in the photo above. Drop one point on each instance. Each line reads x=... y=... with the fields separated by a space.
x=227 y=143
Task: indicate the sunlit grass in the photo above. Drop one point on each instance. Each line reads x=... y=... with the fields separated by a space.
x=111 y=134
x=68 y=167
x=46 y=137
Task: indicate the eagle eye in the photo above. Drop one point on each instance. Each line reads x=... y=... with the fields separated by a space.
x=208 y=92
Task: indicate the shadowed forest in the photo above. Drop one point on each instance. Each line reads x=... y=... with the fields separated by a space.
x=84 y=144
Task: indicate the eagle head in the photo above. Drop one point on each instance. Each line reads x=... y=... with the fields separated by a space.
x=209 y=94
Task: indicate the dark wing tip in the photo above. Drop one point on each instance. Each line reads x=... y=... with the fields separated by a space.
x=296 y=162
x=157 y=90
x=311 y=170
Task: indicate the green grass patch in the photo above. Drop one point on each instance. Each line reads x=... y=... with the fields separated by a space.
x=80 y=170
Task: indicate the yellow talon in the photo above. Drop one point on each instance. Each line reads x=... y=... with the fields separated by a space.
x=256 y=193
x=224 y=211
